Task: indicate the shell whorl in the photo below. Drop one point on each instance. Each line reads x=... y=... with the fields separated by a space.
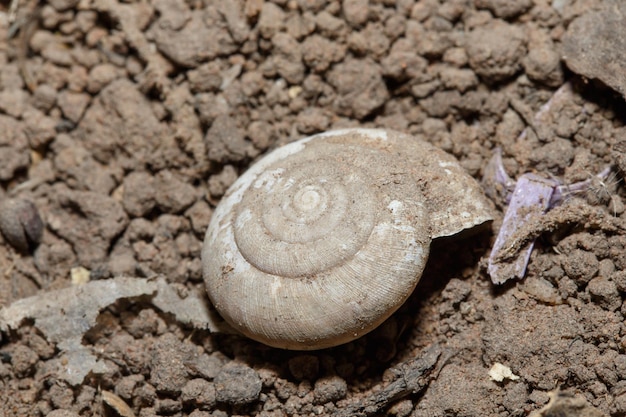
x=300 y=219
x=321 y=240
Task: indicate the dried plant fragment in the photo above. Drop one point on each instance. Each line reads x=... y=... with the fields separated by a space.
x=116 y=403
x=63 y=316
x=525 y=218
x=412 y=377
x=531 y=197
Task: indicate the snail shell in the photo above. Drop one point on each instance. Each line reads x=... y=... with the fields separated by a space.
x=323 y=239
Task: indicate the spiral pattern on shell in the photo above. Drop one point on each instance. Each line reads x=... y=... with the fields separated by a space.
x=323 y=239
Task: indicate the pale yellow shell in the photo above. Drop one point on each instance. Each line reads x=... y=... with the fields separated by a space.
x=323 y=239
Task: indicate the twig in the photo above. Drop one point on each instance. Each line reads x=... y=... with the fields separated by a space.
x=413 y=377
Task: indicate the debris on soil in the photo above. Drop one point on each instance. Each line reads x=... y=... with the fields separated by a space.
x=531 y=197
x=594 y=45
x=567 y=404
x=574 y=212
x=63 y=316
x=117 y=404
x=411 y=377
x=499 y=373
x=496 y=182
x=79 y=275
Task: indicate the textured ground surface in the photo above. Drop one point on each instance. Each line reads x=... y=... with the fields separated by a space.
x=125 y=122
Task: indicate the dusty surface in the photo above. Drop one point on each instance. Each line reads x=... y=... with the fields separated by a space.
x=124 y=124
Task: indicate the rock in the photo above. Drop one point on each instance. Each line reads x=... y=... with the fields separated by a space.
x=594 y=45
x=495 y=50
x=328 y=389
x=237 y=384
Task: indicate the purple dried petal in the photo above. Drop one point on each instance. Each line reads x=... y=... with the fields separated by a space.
x=496 y=182
x=531 y=197
x=563 y=191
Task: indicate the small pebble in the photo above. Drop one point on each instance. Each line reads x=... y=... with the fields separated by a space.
x=79 y=275
x=167 y=406
x=604 y=293
x=199 y=393
x=581 y=266
x=20 y=224
x=23 y=360
x=328 y=389
x=619 y=278
x=237 y=384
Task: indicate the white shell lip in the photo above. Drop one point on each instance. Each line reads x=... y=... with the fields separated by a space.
x=379 y=134
x=304 y=313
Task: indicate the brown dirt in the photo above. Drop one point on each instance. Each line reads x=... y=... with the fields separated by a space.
x=124 y=123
